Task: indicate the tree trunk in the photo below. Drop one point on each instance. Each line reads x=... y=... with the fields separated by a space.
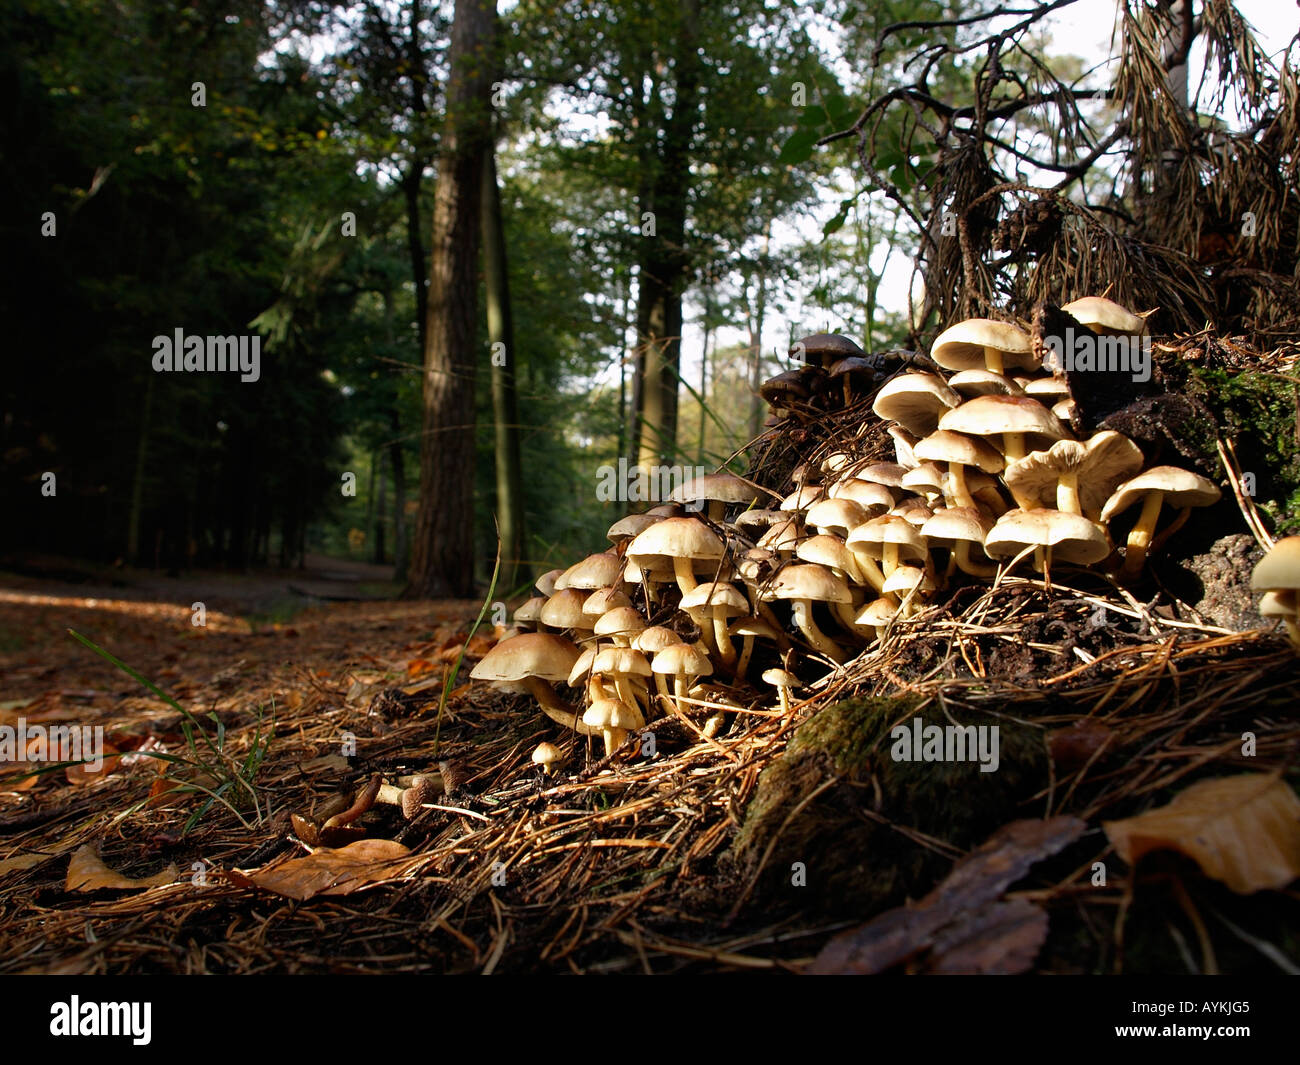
x=398 y=460
x=664 y=260
x=442 y=559
x=505 y=408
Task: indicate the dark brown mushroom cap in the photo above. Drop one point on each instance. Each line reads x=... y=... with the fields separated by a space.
x=825 y=349
x=793 y=386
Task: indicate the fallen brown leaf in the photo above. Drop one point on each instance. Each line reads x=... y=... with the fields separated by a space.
x=22 y=861
x=963 y=911
x=87 y=872
x=329 y=872
x=1242 y=830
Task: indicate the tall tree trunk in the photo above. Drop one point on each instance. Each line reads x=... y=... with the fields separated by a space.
x=756 y=404
x=704 y=366
x=137 y=478
x=381 y=518
x=664 y=260
x=505 y=408
x=398 y=460
x=442 y=557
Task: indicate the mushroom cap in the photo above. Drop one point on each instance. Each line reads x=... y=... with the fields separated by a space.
x=529 y=612
x=625 y=660
x=835 y=515
x=621 y=621
x=683 y=658
x=947 y=446
x=1182 y=488
x=752 y=626
x=903 y=444
x=905 y=578
x=532 y=654
x=808 y=581
x=961 y=347
x=872 y=498
x=1279 y=570
x=594 y=571
x=1100 y=464
x=926 y=479
x=1072 y=537
x=603 y=600
x=563 y=610
x=915 y=401
x=983 y=383
x=1048 y=390
x=655 y=639
x=955 y=524
x=547 y=754
x=1105 y=316
x=714 y=596
x=856 y=368
x=825 y=348
x=877 y=612
x=783 y=537
x=756 y=563
x=1278 y=603
x=627 y=528
x=721 y=487
x=582 y=667
x=826 y=550
x=612 y=714
x=757 y=520
x=870 y=538
x=914 y=511
x=995 y=415
x=889 y=474
x=803 y=497
x=780 y=678
x=425 y=787
x=545 y=584
x=676 y=538
x=790 y=386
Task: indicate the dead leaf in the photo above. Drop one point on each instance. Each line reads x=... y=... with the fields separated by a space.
x=87 y=872
x=1071 y=748
x=417 y=667
x=22 y=861
x=964 y=908
x=1003 y=940
x=1242 y=830
x=329 y=872
x=86 y=774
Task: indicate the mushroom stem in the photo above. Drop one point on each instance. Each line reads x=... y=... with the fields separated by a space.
x=1067 y=492
x=785 y=699
x=961 y=496
x=685 y=577
x=1013 y=447
x=680 y=693
x=613 y=738
x=961 y=554
x=846 y=616
x=890 y=558
x=869 y=570
x=626 y=692
x=993 y=360
x=1139 y=539
x=803 y=619
x=746 y=652
x=721 y=639
x=554 y=709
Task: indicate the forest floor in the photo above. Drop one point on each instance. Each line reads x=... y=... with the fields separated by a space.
x=747 y=851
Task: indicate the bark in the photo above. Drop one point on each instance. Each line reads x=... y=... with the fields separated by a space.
x=664 y=260
x=505 y=408
x=442 y=558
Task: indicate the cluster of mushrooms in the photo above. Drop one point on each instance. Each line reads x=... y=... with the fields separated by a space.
x=722 y=580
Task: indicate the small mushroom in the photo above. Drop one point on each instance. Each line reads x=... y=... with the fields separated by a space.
x=984 y=344
x=804 y=585
x=527 y=662
x=683 y=662
x=1155 y=487
x=784 y=682
x=548 y=757
x=614 y=718
x=1277 y=574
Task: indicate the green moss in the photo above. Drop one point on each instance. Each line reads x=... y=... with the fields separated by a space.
x=860 y=840
x=1257 y=412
